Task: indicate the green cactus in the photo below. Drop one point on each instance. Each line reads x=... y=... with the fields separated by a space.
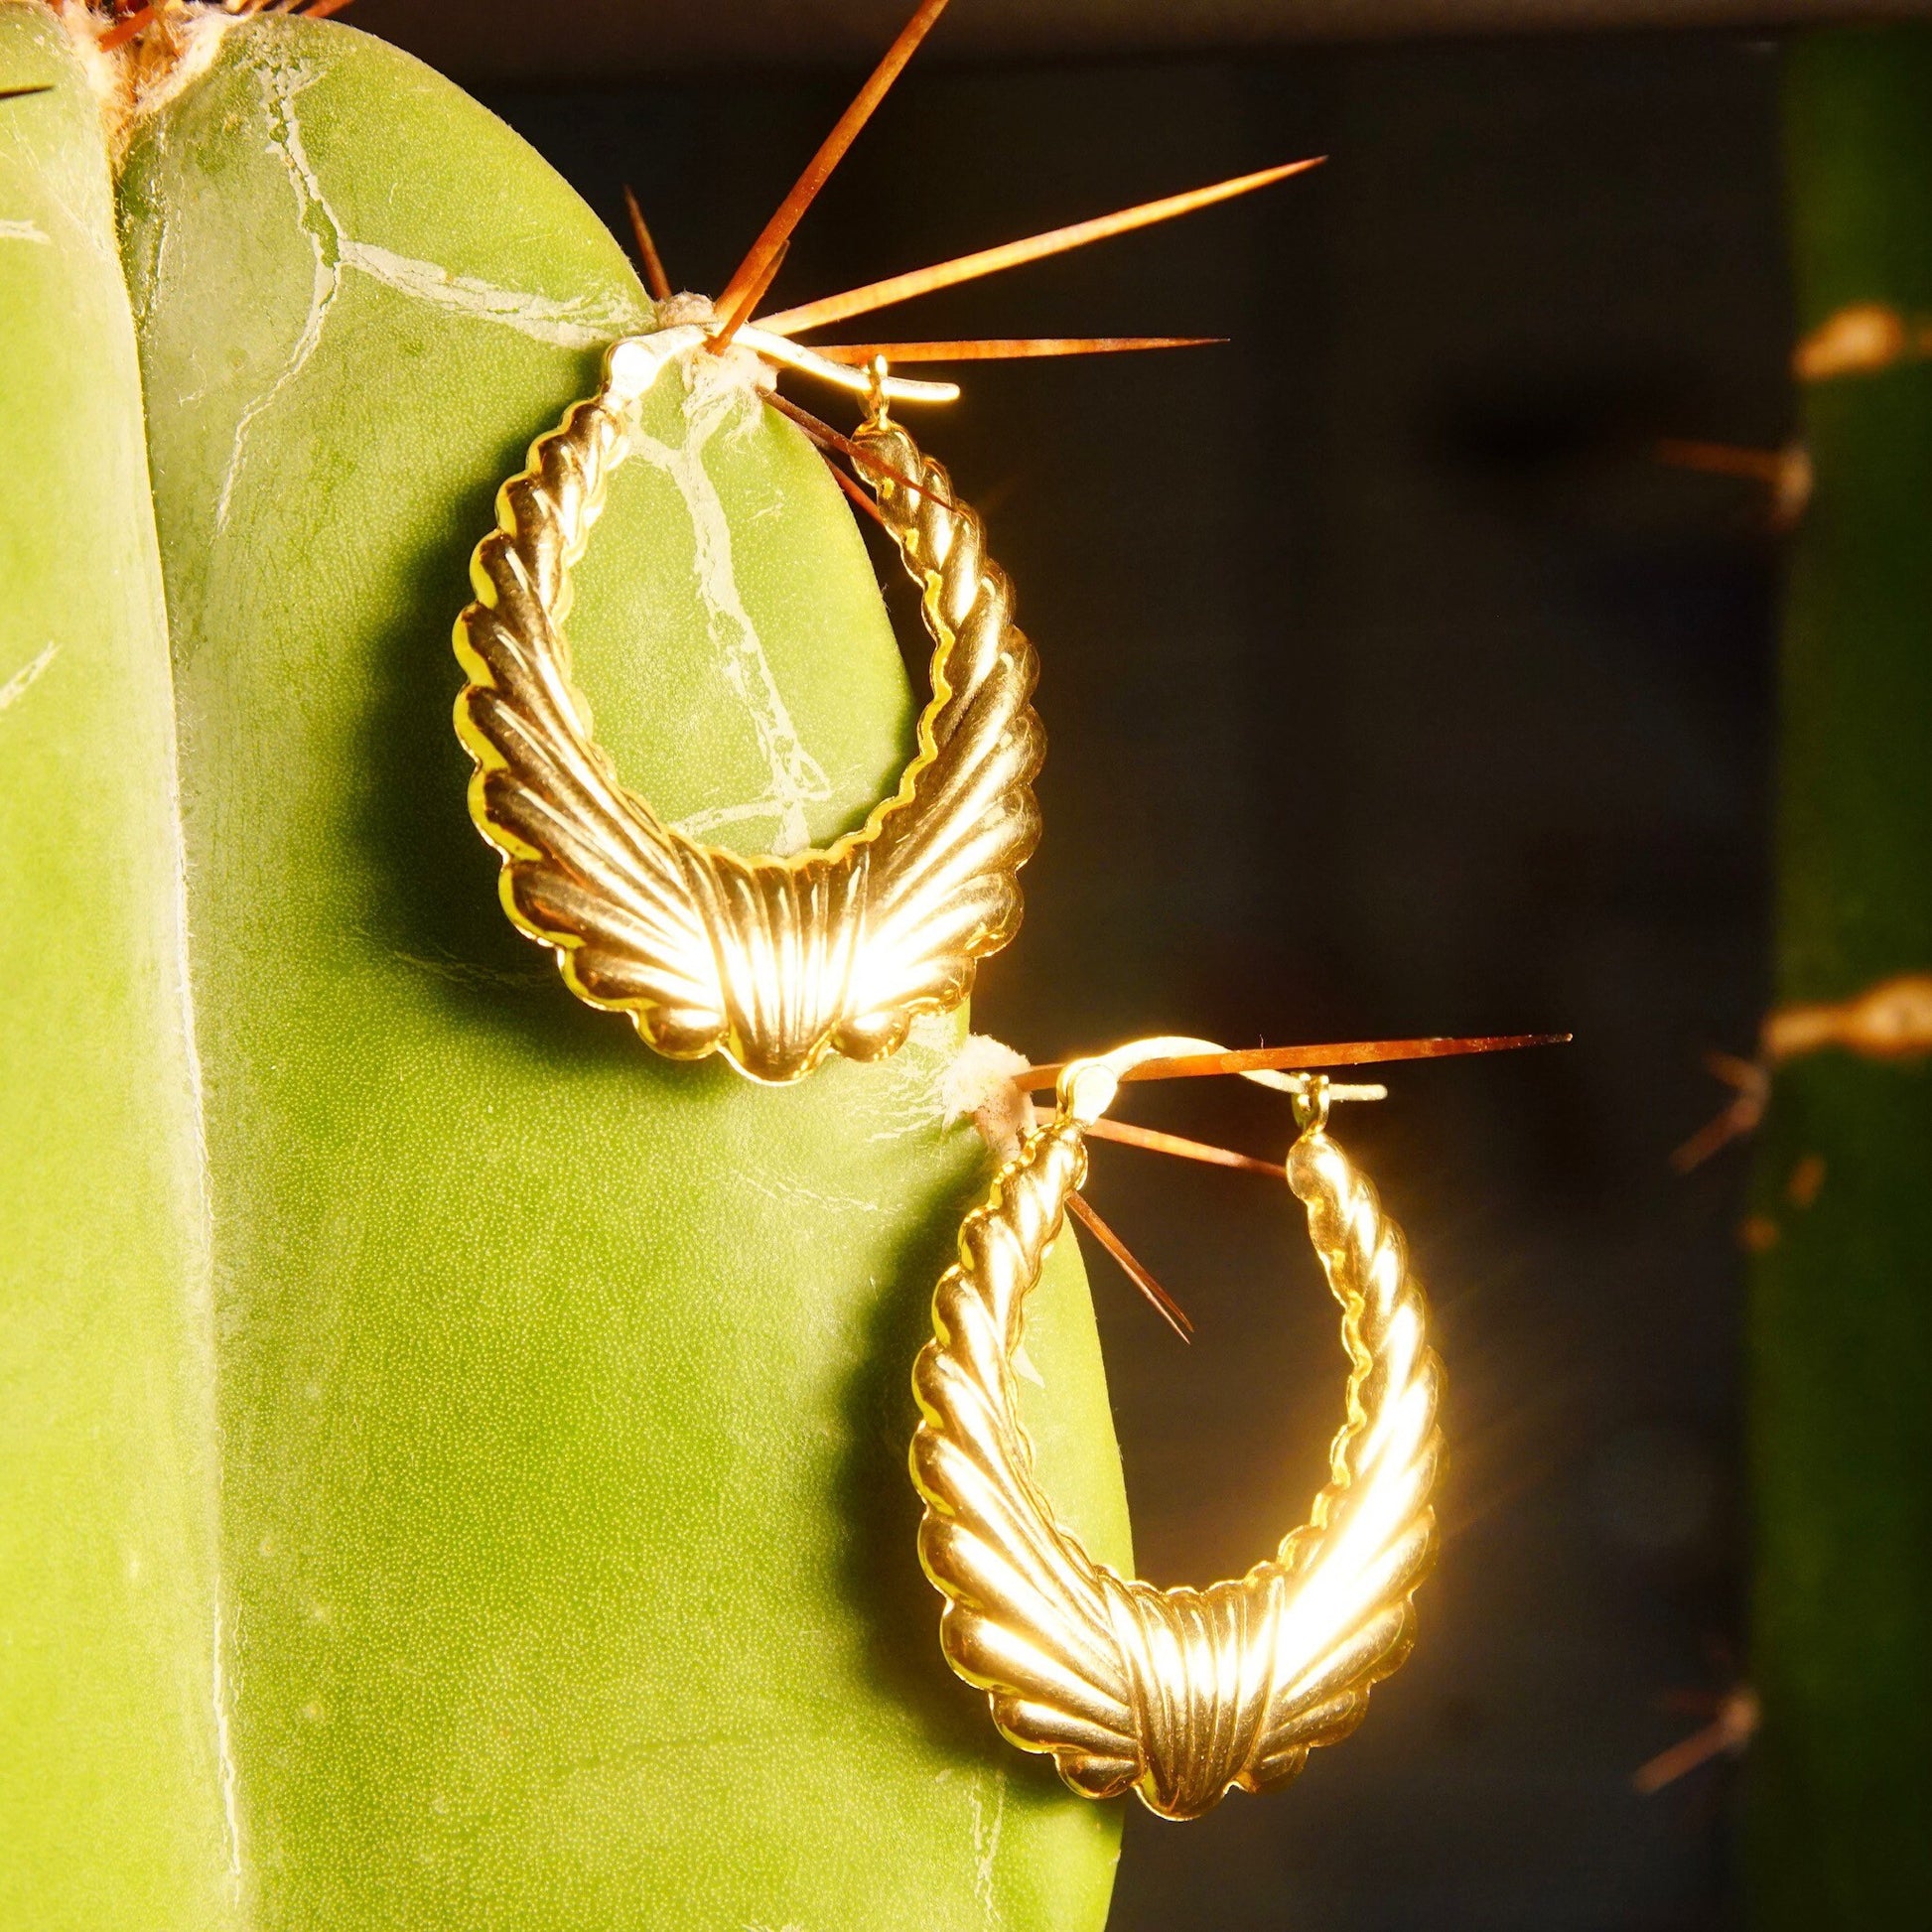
x=1842 y=1298
x=111 y=1802
x=518 y=1420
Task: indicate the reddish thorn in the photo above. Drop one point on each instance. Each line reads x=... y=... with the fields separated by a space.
x=1005 y=350
x=120 y=36
x=1169 y=1310
x=824 y=433
x=1734 y=1727
x=740 y=312
x=655 y=279
x=1155 y=1142
x=854 y=490
x=1259 y=1059
x=1011 y=254
x=791 y=210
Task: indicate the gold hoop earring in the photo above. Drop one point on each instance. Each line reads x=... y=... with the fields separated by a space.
x=1177 y=1694
x=773 y=962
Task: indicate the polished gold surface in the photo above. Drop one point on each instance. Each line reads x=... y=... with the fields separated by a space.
x=1177 y=1693
x=773 y=961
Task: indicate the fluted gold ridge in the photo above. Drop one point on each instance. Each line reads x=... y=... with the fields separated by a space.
x=775 y=962
x=1177 y=1694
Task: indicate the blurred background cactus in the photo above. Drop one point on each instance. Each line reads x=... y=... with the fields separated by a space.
x=1840 y=1330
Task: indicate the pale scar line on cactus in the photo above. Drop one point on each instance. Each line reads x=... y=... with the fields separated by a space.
x=932 y=1049
x=280 y=86
x=578 y=323
x=789 y=1194
x=24 y=153
x=986 y=1842
x=24 y=679
x=225 y=1750
x=581 y=323
x=797 y=778
x=462 y=972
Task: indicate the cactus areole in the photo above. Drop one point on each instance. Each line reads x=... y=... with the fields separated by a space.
x=454 y=1459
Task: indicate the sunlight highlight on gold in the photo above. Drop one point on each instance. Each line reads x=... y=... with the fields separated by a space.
x=1179 y=1694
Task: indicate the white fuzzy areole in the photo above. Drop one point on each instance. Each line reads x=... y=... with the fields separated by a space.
x=143 y=75
x=978 y=1085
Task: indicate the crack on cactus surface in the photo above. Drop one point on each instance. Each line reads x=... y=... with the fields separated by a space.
x=792 y=1193
x=464 y=972
x=923 y=1110
x=797 y=779
x=80 y=229
x=986 y=1842
x=727 y=404
x=24 y=679
x=224 y=1754
x=579 y=323
x=282 y=84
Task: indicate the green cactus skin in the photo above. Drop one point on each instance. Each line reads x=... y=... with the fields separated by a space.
x=111 y=1803
x=1840 y=1333
x=566 y=1549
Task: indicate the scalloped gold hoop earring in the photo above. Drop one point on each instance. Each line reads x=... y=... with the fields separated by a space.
x=773 y=962
x=1181 y=1694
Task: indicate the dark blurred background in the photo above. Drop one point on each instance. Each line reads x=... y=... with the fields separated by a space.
x=1394 y=686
